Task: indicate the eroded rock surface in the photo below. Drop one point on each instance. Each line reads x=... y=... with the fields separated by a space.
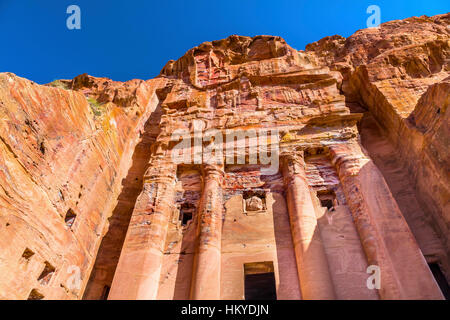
x=91 y=192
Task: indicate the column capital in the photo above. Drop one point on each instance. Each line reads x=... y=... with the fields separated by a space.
x=293 y=157
x=292 y=165
x=348 y=158
x=161 y=172
x=213 y=171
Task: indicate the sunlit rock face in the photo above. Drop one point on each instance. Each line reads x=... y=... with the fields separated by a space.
x=94 y=204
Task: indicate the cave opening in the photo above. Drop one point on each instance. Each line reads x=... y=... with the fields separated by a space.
x=69 y=219
x=186 y=212
x=327 y=199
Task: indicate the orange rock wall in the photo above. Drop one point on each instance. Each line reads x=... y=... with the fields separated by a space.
x=362 y=129
x=57 y=155
x=399 y=72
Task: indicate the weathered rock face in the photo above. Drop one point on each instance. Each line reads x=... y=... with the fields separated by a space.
x=388 y=70
x=399 y=72
x=62 y=156
x=358 y=133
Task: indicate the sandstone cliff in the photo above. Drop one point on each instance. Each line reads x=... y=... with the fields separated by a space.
x=74 y=152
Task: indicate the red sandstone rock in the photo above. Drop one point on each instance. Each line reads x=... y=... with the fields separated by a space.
x=59 y=155
x=89 y=184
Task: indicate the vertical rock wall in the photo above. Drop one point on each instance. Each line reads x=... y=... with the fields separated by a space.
x=64 y=154
x=90 y=189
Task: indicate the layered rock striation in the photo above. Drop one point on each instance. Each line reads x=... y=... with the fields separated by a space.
x=94 y=205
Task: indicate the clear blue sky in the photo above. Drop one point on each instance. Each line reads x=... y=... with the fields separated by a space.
x=130 y=39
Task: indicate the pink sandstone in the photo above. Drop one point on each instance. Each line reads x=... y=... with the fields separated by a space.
x=90 y=192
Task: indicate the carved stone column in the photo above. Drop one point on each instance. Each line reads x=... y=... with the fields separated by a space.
x=139 y=268
x=385 y=236
x=206 y=270
x=312 y=264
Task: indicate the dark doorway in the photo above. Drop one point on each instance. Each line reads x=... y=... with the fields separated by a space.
x=259 y=281
x=440 y=279
x=327 y=199
x=186 y=212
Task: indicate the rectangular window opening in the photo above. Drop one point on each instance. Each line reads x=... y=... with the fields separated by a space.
x=27 y=254
x=440 y=279
x=186 y=212
x=35 y=295
x=259 y=282
x=46 y=274
x=70 y=218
